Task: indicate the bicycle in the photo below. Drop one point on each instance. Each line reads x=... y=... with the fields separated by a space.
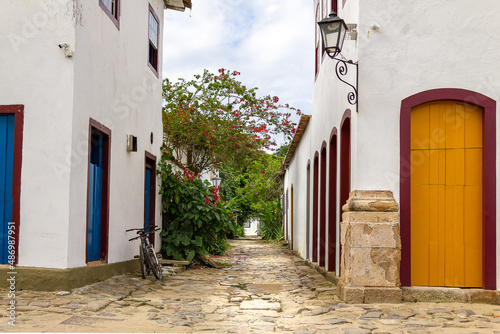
x=147 y=255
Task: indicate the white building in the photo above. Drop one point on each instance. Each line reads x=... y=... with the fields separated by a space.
x=252 y=227
x=417 y=154
x=81 y=131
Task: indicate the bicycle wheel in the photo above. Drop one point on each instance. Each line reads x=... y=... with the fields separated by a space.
x=154 y=264
x=142 y=261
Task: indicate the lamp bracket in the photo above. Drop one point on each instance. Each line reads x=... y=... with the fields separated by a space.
x=341 y=70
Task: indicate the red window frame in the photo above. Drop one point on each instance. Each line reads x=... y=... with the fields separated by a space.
x=115 y=17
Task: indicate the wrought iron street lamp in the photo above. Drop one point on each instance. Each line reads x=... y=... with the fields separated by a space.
x=216 y=181
x=333 y=31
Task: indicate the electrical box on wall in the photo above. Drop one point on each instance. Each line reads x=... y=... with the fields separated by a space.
x=131 y=143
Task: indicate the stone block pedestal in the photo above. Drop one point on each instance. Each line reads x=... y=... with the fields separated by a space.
x=371 y=249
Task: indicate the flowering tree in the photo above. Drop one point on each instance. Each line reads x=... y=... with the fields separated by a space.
x=214 y=119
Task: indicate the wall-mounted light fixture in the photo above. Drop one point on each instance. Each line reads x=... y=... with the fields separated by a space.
x=131 y=143
x=333 y=31
x=68 y=53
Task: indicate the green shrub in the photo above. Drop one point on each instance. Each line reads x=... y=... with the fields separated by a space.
x=195 y=221
x=271 y=215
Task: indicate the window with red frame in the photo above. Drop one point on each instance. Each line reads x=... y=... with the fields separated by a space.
x=334 y=6
x=112 y=9
x=153 y=34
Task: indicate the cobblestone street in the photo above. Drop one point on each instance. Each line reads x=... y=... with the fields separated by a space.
x=265 y=289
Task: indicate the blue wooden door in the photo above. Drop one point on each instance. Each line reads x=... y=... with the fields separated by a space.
x=147 y=198
x=6 y=168
x=95 y=199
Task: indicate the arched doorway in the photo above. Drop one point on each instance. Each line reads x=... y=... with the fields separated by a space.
x=345 y=163
x=322 y=209
x=285 y=232
x=345 y=158
x=448 y=190
x=315 y=208
x=308 y=211
x=332 y=202
x=291 y=217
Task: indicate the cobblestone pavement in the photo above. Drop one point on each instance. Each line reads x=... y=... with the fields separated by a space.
x=266 y=289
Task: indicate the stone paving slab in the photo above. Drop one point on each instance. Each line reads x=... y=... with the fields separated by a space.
x=264 y=288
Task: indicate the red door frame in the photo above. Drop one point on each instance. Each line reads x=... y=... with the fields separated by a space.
x=291 y=217
x=93 y=124
x=322 y=208
x=345 y=163
x=18 y=111
x=286 y=217
x=308 y=211
x=150 y=162
x=345 y=144
x=489 y=176
x=315 y=207
x=332 y=202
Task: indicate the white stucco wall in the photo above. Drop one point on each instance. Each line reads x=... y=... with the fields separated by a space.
x=115 y=86
x=254 y=227
x=296 y=175
x=329 y=106
x=35 y=73
x=107 y=79
x=420 y=46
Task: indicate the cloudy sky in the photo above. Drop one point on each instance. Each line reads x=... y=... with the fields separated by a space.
x=271 y=42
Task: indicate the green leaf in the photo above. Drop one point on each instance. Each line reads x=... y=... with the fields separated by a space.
x=190 y=255
x=198 y=241
x=186 y=241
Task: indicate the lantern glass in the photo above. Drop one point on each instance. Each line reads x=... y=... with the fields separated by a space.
x=333 y=30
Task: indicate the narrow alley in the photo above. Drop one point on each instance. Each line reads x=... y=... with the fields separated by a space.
x=263 y=288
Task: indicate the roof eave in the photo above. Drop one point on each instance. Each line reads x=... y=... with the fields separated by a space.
x=178 y=5
x=301 y=128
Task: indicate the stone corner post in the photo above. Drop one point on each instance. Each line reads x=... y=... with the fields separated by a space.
x=371 y=248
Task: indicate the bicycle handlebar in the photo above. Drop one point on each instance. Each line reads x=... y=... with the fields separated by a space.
x=142 y=232
x=141 y=229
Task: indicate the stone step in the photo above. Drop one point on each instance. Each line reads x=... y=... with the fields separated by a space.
x=174 y=262
x=167 y=270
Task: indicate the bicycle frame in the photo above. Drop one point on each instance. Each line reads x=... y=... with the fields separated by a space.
x=147 y=255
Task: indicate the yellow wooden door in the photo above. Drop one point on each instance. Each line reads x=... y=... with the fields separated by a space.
x=446 y=194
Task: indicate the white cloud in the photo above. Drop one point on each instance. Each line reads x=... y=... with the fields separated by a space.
x=271 y=42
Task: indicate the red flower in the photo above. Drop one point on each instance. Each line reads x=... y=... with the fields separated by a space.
x=205 y=133
x=236 y=144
